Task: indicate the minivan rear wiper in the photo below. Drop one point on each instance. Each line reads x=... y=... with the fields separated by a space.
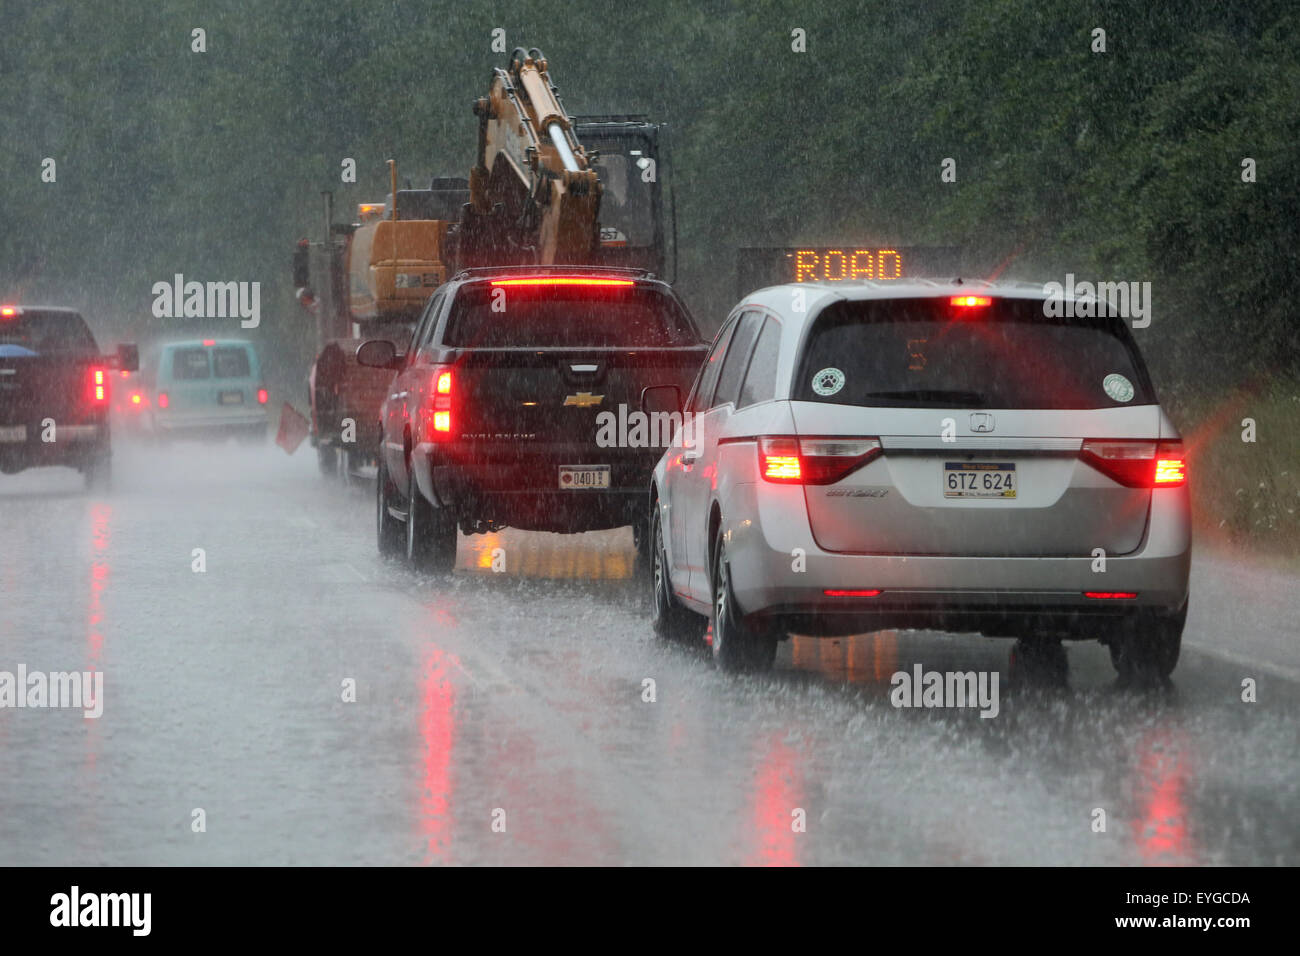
x=935 y=395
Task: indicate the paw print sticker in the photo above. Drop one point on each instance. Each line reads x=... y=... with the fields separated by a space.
x=828 y=381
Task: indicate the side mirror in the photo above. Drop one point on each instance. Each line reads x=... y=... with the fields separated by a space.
x=377 y=353
x=661 y=398
x=127 y=358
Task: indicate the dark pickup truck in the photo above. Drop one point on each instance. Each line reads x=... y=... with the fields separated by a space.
x=516 y=404
x=54 y=392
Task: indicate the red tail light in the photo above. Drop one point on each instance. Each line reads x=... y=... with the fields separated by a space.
x=1110 y=595
x=262 y=396
x=136 y=399
x=1138 y=464
x=813 y=461
x=8 y=311
x=852 y=592
x=98 y=385
x=970 y=301
x=436 y=420
x=163 y=400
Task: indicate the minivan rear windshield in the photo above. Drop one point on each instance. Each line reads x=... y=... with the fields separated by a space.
x=190 y=363
x=929 y=353
x=562 y=316
x=46 y=332
x=230 y=362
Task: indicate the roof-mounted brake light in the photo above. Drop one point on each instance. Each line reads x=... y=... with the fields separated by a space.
x=563 y=280
x=970 y=301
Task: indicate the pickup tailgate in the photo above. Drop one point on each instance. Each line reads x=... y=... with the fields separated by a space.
x=549 y=372
x=522 y=404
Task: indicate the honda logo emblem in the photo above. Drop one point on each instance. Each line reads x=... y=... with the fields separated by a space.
x=982 y=422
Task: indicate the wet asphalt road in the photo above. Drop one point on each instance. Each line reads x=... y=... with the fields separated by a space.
x=517 y=698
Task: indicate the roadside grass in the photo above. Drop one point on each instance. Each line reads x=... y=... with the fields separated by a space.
x=1245 y=495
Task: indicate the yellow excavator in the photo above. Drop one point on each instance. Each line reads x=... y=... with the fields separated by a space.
x=547 y=188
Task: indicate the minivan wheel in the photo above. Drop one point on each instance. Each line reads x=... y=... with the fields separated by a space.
x=669 y=620
x=737 y=644
x=1146 y=648
x=388 y=530
x=430 y=533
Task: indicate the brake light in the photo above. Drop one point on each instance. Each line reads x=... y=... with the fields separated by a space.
x=262 y=396
x=778 y=459
x=1110 y=595
x=98 y=386
x=563 y=280
x=8 y=311
x=970 y=301
x=1171 y=470
x=1138 y=464
x=209 y=342
x=852 y=592
x=437 y=416
x=813 y=461
x=163 y=400
x=135 y=398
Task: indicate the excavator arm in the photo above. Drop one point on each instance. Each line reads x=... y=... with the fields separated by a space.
x=534 y=197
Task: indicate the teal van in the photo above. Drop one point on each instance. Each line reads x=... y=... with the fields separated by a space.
x=206 y=388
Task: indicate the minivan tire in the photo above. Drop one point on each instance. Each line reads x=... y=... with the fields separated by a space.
x=738 y=645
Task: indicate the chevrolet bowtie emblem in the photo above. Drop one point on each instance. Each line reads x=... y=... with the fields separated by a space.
x=583 y=399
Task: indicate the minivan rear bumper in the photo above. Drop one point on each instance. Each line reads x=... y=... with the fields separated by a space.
x=995 y=595
x=207 y=421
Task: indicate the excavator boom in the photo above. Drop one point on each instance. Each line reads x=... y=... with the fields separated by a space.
x=534 y=197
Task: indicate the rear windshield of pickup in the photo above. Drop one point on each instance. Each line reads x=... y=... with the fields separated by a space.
x=43 y=332
x=928 y=353
x=562 y=316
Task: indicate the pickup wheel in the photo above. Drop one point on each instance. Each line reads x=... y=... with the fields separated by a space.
x=738 y=644
x=327 y=459
x=389 y=531
x=98 y=475
x=430 y=533
x=670 y=620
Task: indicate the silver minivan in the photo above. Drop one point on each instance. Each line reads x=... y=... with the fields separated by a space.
x=948 y=456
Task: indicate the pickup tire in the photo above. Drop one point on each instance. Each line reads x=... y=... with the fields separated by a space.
x=388 y=530
x=98 y=475
x=669 y=620
x=327 y=460
x=430 y=533
x=738 y=644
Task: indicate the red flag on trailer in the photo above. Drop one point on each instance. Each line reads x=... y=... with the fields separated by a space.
x=293 y=429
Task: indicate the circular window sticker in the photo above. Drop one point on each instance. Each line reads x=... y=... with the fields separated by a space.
x=828 y=381
x=1118 y=387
